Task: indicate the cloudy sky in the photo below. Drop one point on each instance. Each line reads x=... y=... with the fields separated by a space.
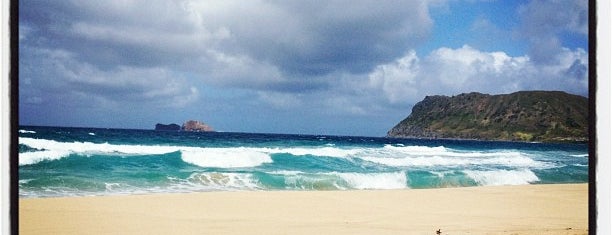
x=345 y=67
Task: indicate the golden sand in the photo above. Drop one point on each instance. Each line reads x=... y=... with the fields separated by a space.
x=527 y=209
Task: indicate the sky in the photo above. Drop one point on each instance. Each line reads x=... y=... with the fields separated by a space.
x=335 y=67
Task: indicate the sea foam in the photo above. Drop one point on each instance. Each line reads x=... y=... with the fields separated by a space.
x=503 y=177
x=390 y=150
x=205 y=157
x=216 y=181
x=393 y=180
x=228 y=157
x=28 y=158
x=422 y=156
x=225 y=157
x=53 y=150
x=431 y=161
x=326 y=151
x=580 y=155
x=343 y=180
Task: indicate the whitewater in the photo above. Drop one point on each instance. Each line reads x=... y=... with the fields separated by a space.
x=60 y=161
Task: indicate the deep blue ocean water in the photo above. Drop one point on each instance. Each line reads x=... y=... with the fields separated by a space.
x=60 y=161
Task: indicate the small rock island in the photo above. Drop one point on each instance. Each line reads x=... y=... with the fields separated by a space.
x=197 y=126
x=539 y=116
x=190 y=125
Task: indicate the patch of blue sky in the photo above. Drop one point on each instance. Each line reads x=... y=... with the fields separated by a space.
x=574 y=41
x=486 y=26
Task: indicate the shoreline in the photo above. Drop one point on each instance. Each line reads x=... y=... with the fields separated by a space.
x=523 y=209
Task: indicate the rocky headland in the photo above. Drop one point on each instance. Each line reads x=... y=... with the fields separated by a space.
x=541 y=116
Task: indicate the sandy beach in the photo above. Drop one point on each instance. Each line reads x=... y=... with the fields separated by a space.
x=527 y=209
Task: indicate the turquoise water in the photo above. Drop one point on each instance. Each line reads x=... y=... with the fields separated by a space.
x=57 y=161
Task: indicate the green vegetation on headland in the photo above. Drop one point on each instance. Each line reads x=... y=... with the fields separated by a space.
x=540 y=116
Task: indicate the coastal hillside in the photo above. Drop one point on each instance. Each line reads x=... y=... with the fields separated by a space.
x=544 y=116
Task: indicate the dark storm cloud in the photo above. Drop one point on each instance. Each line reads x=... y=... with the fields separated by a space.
x=107 y=34
x=328 y=36
x=297 y=38
x=56 y=76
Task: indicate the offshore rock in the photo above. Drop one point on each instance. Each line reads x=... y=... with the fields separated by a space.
x=541 y=116
x=197 y=126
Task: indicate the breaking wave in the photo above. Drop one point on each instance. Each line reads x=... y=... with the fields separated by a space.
x=296 y=180
x=225 y=157
x=204 y=157
x=503 y=177
x=222 y=157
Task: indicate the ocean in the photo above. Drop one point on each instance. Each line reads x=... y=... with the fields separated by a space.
x=67 y=162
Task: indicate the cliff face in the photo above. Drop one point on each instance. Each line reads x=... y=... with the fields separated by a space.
x=192 y=125
x=546 y=116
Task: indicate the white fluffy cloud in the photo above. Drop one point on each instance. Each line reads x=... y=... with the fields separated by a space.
x=398 y=80
x=451 y=71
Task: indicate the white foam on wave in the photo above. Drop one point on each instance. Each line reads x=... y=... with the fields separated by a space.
x=392 y=180
x=423 y=156
x=285 y=172
x=400 y=150
x=53 y=150
x=441 y=174
x=580 y=165
x=205 y=181
x=27 y=132
x=225 y=157
x=580 y=155
x=92 y=148
x=416 y=150
x=406 y=161
x=111 y=186
x=346 y=180
x=205 y=157
x=223 y=181
x=327 y=151
x=196 y=182
x=28 y=158
x=503 y=177
x=24 y=181
x=390 y=155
